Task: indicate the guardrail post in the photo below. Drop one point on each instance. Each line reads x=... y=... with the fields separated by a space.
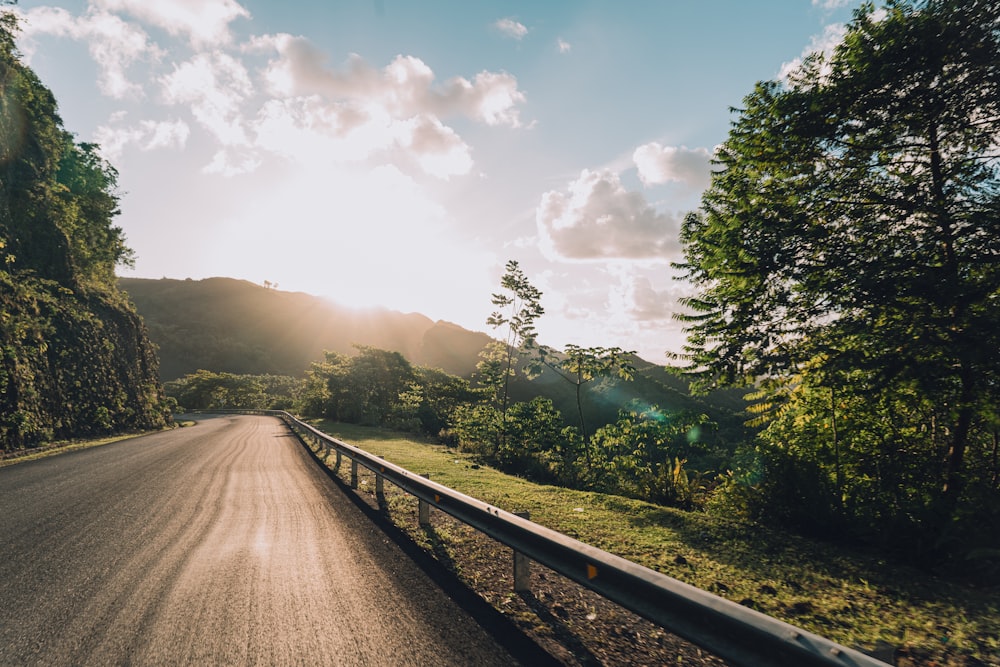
x=380 y=488
x=354 y=474
x=336 y=466
x=522 y=569
x=424 y=509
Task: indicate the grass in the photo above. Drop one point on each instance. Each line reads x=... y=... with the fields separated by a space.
x=852 y=597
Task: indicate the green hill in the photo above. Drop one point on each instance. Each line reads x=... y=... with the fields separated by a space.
x=235 y=326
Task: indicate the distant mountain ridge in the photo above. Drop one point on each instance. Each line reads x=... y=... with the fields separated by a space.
x=235 y=326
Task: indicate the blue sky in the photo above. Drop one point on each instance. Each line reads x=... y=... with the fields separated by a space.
x=397 y=154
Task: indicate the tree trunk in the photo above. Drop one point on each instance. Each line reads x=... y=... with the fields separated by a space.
x=954 y=483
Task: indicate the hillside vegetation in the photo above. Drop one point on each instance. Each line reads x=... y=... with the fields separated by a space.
x=236 y=327
x=74 y=358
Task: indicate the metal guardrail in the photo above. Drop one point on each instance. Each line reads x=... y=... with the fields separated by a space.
x=735 y=633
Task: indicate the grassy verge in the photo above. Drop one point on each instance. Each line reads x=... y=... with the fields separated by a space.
x=849 y=596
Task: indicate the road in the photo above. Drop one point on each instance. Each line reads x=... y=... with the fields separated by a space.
x=220 y=543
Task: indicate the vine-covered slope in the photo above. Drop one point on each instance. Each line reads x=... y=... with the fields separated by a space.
x=75 y=359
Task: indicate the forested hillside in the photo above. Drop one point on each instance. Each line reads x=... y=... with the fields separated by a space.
x=235 y=326
x=76 y=360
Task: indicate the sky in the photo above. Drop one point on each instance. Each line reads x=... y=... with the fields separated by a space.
x=394 y=154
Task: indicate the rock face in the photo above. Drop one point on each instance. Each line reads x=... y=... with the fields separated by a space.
x=75 y=360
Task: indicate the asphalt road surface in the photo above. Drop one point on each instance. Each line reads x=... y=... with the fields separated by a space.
x=220 y=543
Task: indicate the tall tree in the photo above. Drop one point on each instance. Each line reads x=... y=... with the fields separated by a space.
x=517 y=307
x=854 y=224
x=581 y=365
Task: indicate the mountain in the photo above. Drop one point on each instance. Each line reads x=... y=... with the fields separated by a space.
x=235 y=326
x=227 y=325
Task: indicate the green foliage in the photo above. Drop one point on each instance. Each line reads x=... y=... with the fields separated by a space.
x=631 y=456
x=517 y=308
x=846 y=251
x=360 y=389
x=71 y=365
x=379 y=387
x=206 y=390
x=581 y=365
x=643 y=454
x=74 y=357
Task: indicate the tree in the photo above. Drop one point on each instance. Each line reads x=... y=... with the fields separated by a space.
x=581 y=365
x=75 y=359
x=854 y=226
x=207 y=390
x=363 y=389
x=517 y=308
x=89 y=203
x=643 y=455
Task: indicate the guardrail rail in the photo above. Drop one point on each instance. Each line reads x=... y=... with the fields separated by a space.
x=735 y=633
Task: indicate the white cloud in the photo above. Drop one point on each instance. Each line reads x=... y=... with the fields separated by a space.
x=147 y=135
x=301 y=107
x=203 y=22
x=659 y=164
x=825 y=44
x=404 y=88
x=645 y=303
x=166 y=134
x=229 y=162
x=113 y=44
x=831 y=4
x=214 y=86
x=438 y=149
x=329 y=114
x=599 y=219
x=563 y=45
x=511 y=28
x=311 y=130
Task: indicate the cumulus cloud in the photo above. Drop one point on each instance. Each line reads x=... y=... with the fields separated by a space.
x=405 y=87
x=438 y=149
x=660 y=164
x=301 y=127
x=202 y=22
x=295 y=103
x=214 y=86
x=147 y=135
x=113 y=44
x=511 y=28
x=645 y=303
x=356 y=110
x=599 y=219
